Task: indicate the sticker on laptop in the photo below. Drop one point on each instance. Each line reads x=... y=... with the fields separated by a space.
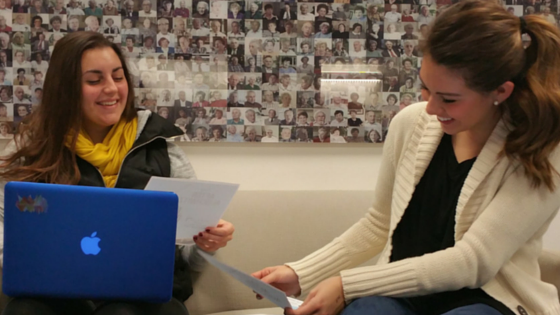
x=28 y=204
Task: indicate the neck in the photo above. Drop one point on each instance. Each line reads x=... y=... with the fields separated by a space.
x=474 y=139
x=97 y=135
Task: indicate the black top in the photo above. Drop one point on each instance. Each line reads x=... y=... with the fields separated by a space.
x=428 y=225
x=148 y=157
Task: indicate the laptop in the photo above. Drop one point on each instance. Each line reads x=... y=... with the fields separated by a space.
x=64 y=241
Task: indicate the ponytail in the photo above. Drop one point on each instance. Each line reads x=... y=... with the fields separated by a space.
x=534 y=106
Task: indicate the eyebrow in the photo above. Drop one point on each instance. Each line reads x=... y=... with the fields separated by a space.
x=438 y=93
x=99 y=71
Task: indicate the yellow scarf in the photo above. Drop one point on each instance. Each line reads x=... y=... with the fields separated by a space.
x=108 y=155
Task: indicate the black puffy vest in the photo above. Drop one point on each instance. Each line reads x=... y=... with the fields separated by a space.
x=148 y=157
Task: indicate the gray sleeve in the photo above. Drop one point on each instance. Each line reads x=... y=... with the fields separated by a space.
x=182 y=168
x=180 y=165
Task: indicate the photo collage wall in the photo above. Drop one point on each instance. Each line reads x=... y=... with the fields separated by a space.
x=241 y=71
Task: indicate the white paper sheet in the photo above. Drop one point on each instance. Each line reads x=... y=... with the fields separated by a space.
x=201 y=203
x=266 y=290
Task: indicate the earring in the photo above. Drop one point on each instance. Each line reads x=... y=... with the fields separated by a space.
x=496 y=103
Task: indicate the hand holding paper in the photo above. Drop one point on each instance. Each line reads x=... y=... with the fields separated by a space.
x=201 y=204
x=273 y=294
x=214 y=238
x=326 y=298
x=281 y=277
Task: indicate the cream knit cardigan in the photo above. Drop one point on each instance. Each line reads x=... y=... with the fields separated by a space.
x=500 y=221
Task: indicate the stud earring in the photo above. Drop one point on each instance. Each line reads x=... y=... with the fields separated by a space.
x=496 y=103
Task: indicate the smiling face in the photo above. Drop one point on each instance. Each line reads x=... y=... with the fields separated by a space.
x=460 y=108
x=104 y=89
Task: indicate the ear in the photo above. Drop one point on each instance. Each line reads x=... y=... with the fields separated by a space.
x=504 y=91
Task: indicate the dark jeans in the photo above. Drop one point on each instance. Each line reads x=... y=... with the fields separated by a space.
x=373 y=305
x=22 y=306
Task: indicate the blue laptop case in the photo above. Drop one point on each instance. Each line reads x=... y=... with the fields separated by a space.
x=88 y=242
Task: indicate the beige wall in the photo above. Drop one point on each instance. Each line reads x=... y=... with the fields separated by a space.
x=300 y=167
x=287 y=166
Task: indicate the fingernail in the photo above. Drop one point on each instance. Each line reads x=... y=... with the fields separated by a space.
x=200 y=234
x=195 y=238
x=208 y=230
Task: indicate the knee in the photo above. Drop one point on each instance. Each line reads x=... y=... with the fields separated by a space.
x=119 y=309
x=174 y=307
x=375 y=305
x=27 y=307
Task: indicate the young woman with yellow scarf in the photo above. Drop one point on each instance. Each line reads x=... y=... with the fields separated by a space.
x=87 y=132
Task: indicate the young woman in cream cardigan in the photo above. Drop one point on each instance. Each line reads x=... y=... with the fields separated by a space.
x=467 y=187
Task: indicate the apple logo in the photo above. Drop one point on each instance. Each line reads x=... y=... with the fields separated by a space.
x=90 y=244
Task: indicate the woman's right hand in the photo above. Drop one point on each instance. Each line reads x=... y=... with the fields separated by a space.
x=282 y=277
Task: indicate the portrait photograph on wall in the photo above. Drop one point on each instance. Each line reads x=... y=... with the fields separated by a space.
x=241 y=71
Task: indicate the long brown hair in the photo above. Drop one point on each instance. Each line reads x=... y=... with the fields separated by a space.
x=42 y=155
x=483 y=42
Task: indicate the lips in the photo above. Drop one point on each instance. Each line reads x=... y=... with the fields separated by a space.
x=107 y=103
x=442 y=119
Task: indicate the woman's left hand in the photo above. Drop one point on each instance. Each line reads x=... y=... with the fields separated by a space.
x=214 y=238
x=327 y=298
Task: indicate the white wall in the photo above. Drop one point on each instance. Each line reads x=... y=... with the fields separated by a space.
x=287 y=166
x=299 y=167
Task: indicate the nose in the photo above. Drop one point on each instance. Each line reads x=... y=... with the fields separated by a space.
x=110 y=86
x=433 y=108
